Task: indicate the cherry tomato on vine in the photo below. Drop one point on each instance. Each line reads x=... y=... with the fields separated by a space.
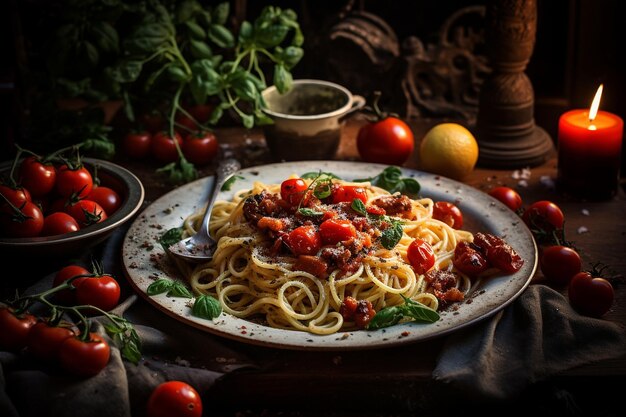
x=27 y=223
x=448 y=213
x=200 y=148
x=543 y=216
x=347 y=193
x=507 y=196
x=86 y=212
x=38 y=178
x=304 y=240
x=68 y=297
x=59 y=223
x=185 y=124
x=16 y=196
x=73 y=181
x=388 y=141
x=14 y=329
x=333 y=231
x=101 y=291
x=292 y=190
x=469 y=260
x=44 y=340
x=201 y=112
x=107 y=197
x=152 y=121
x=174 y=398
x=163 y=147
x=137 y=144
x=84 y=358
x=559 y=264
x=589 y=295
x=421 y=256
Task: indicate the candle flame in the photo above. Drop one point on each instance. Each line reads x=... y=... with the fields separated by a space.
x=593 y=110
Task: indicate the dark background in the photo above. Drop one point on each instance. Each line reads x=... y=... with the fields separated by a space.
x=579 y=45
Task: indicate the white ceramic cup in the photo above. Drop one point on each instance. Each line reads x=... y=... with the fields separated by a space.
x=308 y=119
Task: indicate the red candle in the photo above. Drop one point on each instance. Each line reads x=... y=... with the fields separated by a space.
x=589 y=151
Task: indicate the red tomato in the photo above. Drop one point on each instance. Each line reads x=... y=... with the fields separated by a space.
x=389 y=141
x=543 y=216
x=304 y=240
x=163 y=147
x=107 y=197
x=14 y=329
x=137 y=144
x=347 y=193
x=27 y=224
x=559 y=264
x=73 y=182
x=201 y=112
x=37 y=177
x=421 y=256
x=333 y=231
x=508 y=196
x=84 y=358
x=152 y=121
x=498 y=252
x=68 y=297
x=16 y=196
x=174 y=398
x=59 y=223
x=44 y=341
x=591 y=296
x=200 y=148
x=102 y=292
x=448 y=213
x=468 y=260
x=86 y=212
x=185 y=124
x=292 y=190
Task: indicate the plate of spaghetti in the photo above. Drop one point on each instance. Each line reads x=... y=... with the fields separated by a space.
x=330 y=255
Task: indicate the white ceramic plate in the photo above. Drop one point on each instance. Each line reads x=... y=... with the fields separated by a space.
x=145 y=260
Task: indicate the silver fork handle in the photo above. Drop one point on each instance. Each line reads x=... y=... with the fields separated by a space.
x=224 y=171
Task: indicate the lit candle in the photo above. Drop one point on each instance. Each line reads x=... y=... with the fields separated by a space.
x=589 y=151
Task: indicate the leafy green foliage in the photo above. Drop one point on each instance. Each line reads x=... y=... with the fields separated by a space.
x=206 y=307
x=411 y=309
x=391 y=235
x=391 y=179
x=171 y=237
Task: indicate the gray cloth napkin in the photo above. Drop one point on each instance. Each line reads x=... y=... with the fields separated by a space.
x=538 y=336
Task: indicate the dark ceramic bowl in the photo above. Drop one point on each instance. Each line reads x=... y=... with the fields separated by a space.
x=111 y=175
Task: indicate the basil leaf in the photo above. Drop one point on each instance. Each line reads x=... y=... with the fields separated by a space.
x=159 y=286
x=312 y=175
x=392 y=235
x=206 y=307
x=130 y=351
x=386 y=317
x=411 y=186
x=418 y=311
x=358 y=206
x=391 y=179
x=229 y=182
x=220 y=13
x=170 y=237
x=179 y=290
x=309 y=212
x=323 y=190
x=221 y=36
x=195 y=30
x=282 y=78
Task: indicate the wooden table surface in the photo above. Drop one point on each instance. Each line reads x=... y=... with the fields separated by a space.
x=400 y=377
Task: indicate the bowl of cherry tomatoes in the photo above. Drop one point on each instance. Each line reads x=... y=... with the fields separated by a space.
x=61 y=210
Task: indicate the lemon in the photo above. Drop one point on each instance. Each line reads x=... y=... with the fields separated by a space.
x=448 y=149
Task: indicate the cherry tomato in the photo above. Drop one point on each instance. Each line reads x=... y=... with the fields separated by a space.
x=27 y=224
x=107 y=197
x=543 y=216
x=174 y=398
x=73 y=182
x=200 y=148
x=469 y=260
x=86 y=213
x=44 y=341
x=304 y=240
x=137 y=144
x=14 y=329
x=389 y=141
x=59 y=223
x=292 y=190
x=498 y=253
x=421 y=256
x=185 y=124
x=16 y=196
x=333 y=231
x=152 y=121
x=559 y=264
x=589 y=295
x=347 y=193
x=101 y=291
x=37 y=177
x=68 y=297
x=163 y=147
x=448 y=213
x=84 y=358
x=201 y=112
x=507 y=196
